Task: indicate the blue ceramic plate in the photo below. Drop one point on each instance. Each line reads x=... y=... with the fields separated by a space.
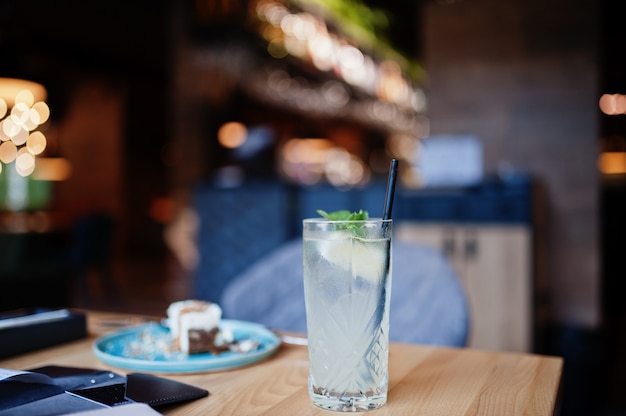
x=147 y=348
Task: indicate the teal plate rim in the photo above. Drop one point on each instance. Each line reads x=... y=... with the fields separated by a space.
x=111 y=349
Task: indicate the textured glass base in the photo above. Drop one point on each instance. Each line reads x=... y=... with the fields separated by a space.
x=348 y=403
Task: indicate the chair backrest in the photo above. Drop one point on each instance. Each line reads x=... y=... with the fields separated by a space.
x=428 y=304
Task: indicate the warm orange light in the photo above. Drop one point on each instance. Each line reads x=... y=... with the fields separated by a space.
x=613 y=104
x=40 y=110
x=36 y=143
x=162 y=210
x=22 y=112
x=14 y=90
x=232 y=134
x=309 y=151
x=24 y=162
x=8 y=152
x=309 y=160
x=276 y=48
x=52 y=169
x=612 y=163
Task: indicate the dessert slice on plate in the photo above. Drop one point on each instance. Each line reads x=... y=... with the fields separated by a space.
x=194 y=326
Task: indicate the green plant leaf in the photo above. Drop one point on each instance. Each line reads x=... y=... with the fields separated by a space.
x=344 y=215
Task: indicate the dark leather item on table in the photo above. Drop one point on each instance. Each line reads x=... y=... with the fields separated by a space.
x=159 y=392
x=73 y=389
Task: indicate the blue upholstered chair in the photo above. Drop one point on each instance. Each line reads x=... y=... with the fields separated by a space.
x=428 y=305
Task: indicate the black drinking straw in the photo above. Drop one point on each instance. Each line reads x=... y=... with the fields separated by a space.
x=391 y=188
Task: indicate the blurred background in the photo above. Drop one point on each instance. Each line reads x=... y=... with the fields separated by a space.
x=181 y=140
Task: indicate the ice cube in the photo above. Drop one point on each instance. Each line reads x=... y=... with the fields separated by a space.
x=366 y=258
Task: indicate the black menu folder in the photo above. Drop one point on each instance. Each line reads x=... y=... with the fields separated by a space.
x=28 y=393
x=60 y=390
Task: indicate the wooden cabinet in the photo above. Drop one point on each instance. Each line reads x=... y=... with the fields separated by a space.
x=494 y=264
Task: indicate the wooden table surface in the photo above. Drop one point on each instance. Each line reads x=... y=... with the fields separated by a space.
x=424 y=380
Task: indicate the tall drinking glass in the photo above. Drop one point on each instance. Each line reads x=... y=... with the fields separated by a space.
x=347 y=287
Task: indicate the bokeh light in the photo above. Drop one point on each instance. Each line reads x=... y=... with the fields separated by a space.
x=613 y=104
x=232 y=134
x=612 y=163
x=308 y=37
x=8 y=152
x=309 y=161
x=22 y=112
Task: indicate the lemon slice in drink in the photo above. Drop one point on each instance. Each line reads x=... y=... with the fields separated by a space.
x=366 y=258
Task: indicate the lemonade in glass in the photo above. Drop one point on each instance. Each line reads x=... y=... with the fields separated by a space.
x=347 y=283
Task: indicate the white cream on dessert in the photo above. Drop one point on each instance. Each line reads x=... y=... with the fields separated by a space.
x=189 y=316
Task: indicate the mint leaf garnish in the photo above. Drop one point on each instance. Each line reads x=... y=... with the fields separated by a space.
x=344 y=215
